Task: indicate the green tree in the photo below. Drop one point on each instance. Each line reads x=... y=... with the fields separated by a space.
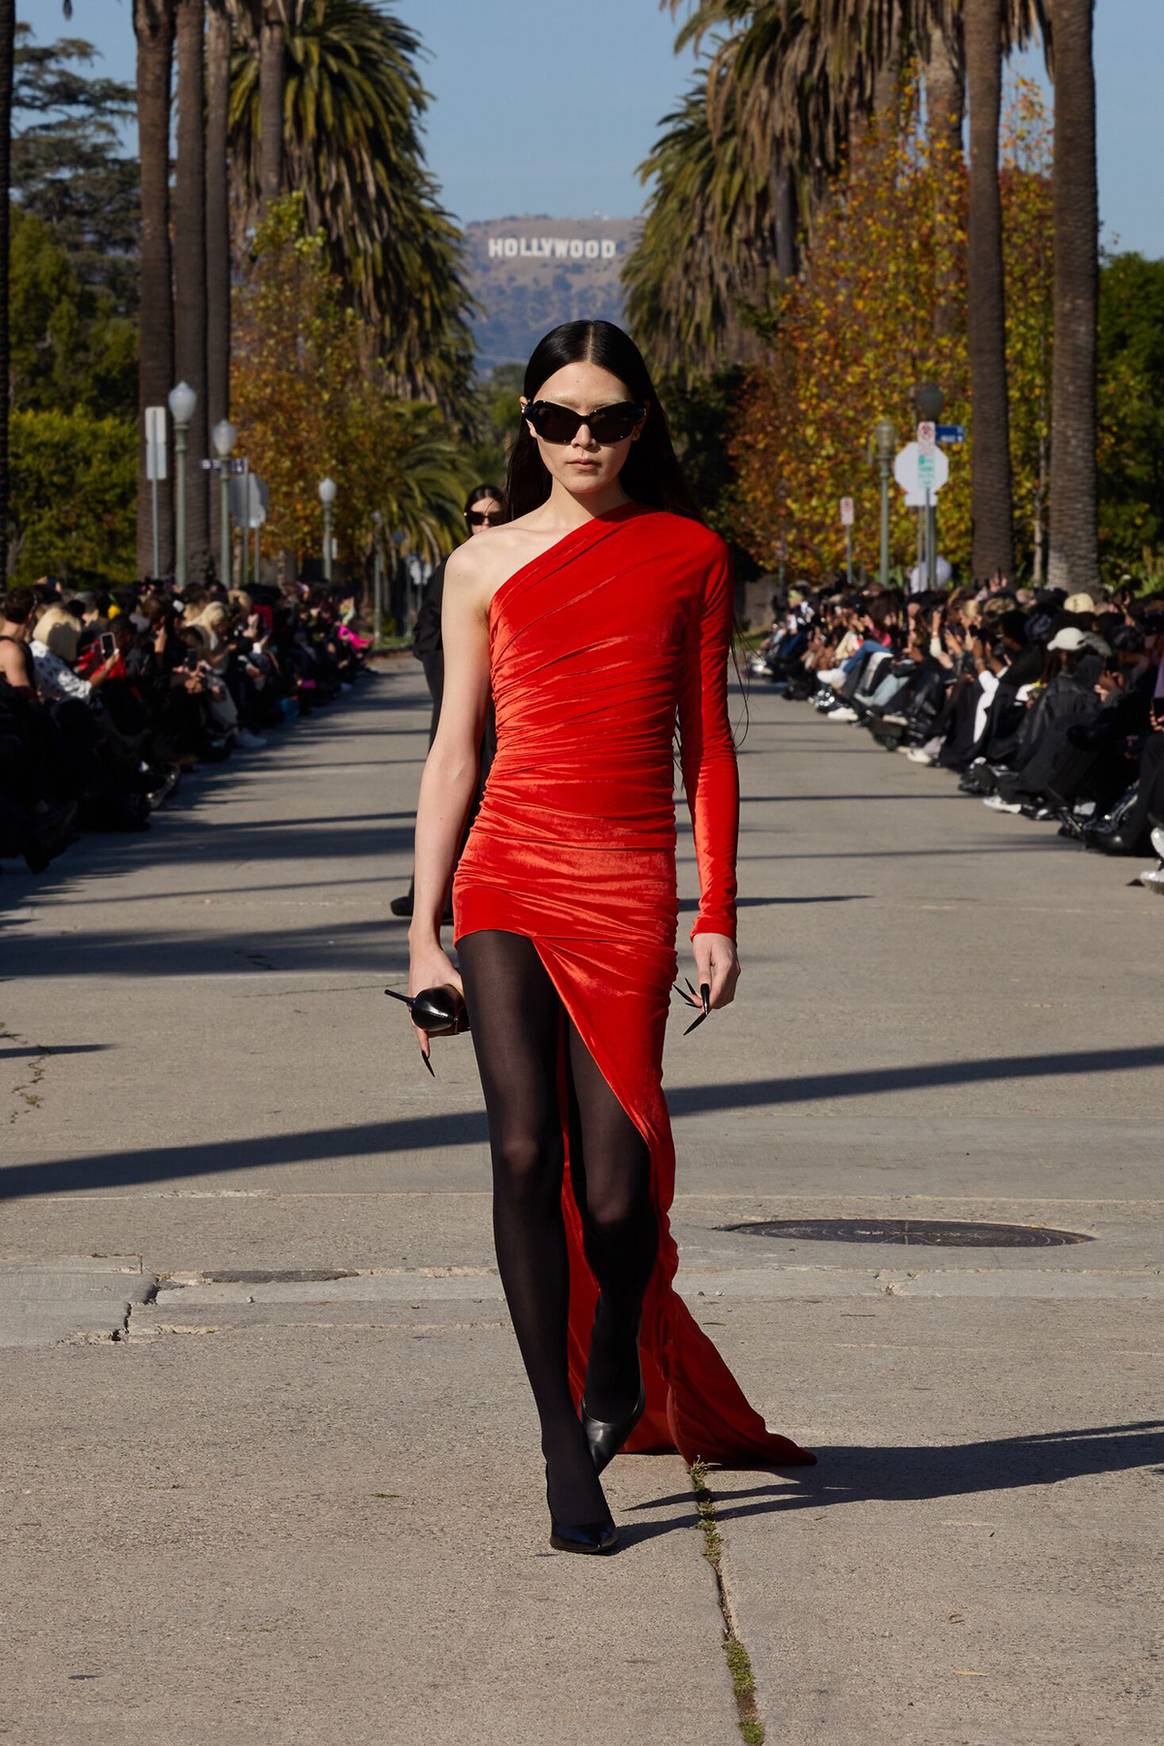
x=68 y=165
x=1131 y=412
x=69 y=350
x=352 y=104
x=72 y=503
x=313 y=399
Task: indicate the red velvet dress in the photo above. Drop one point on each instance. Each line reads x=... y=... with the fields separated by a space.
x=593 y=647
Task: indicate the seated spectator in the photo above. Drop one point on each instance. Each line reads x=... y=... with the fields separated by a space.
x=103 y=706
x=1043 y=703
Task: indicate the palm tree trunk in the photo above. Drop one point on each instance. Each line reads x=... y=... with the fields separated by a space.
x=7 y=64
x=945 y=75
x=271 y=79
x=786 y=251
x=991 y=495
x=190 y=307
x=218 y=47
x=1074 y=559
x=945 y=109
x=153 y=23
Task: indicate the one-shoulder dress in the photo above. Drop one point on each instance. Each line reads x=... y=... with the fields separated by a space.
x=595 y=647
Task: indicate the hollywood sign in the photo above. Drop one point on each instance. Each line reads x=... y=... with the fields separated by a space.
x=553 y=248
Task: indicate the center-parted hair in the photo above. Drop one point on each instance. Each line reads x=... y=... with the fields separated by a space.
x=651 y=473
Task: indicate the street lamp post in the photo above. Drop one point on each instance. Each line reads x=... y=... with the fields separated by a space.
x=183 y=400
x=327 y=496
x=377 y=576
x=885 y=437
x=224 y=436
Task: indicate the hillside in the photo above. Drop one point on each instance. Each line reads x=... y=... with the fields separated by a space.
x=529 y=273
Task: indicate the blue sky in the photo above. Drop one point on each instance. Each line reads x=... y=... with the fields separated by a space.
x=550 y=105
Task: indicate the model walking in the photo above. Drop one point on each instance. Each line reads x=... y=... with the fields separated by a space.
x=598 y=614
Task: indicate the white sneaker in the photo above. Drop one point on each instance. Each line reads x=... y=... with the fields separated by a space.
x=842 y=714
x=832 y=676
x=248 y=741
x=1158 y=841
x=917 y=755
x=997 y=804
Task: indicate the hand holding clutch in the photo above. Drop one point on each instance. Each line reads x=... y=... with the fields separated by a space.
x=438 y=1012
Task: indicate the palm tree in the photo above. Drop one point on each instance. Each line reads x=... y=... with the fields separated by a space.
x=352 y=102
x=991 y=495
x=190 y=307
x=1074 y=561
x=153 y=23
x=218 y=47
x=687 y=301
x=7 y=74
x=271 y=74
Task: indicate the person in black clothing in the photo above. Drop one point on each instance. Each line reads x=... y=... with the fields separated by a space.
x=484 y=508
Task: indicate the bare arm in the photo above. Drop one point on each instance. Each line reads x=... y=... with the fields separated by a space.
x=450 y=771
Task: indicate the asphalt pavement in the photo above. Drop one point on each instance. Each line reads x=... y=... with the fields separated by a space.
x=269 y=1465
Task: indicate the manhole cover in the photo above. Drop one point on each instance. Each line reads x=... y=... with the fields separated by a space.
x=919 y=1233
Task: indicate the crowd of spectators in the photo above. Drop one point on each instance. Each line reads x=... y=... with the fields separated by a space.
x=107 y=697
x=1039 y=703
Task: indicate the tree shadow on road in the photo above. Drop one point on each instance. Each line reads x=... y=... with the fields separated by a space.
x=419 y=1133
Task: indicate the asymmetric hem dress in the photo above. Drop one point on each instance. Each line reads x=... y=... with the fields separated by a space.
x=594 y=647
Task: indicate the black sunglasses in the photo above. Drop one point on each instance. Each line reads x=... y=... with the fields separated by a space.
x=484 y=517
x=607 y=424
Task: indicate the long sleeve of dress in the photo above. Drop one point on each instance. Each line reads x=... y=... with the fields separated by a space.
x=708 y=753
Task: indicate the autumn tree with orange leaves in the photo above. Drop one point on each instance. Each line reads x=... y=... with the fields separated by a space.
x=881 y=307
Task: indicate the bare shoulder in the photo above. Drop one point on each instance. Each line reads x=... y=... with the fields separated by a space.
x=477 y=569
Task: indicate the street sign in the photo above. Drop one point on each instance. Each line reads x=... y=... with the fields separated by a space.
x=847 y=511
x=927 y=437
x=951 y=433
x=908 y=470
x=249 y=497
x=155 y=436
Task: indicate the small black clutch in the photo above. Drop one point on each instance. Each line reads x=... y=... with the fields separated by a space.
x=439 y=1012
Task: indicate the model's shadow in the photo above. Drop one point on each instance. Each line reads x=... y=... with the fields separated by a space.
x=848 y=1475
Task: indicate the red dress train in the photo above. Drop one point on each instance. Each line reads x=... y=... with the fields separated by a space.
x=593 y=647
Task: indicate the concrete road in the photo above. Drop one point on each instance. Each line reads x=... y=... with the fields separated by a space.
x=269 y=1466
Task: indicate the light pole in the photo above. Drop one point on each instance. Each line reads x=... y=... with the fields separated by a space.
x=885 y=437
x=377 y=576
x=183 y=400
x=327 y=496
x=224 y=436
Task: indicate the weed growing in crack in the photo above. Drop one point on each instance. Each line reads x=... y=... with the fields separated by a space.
x=739 y=1662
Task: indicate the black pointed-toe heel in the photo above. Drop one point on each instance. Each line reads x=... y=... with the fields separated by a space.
x=606 y=1437
x=593 y=1538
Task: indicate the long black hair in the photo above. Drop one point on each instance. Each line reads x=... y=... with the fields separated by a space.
x=480 y=492
x=651 y=473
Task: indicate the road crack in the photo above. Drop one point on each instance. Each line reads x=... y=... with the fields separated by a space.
x=739 y=1662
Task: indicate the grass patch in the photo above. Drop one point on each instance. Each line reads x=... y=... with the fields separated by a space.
x=739 y=1662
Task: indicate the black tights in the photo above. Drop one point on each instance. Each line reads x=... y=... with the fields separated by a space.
x=515 y=1012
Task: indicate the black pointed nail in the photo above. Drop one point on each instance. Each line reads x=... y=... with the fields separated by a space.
x=705 y=996
x=427 y=1062
x=695 y=1024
